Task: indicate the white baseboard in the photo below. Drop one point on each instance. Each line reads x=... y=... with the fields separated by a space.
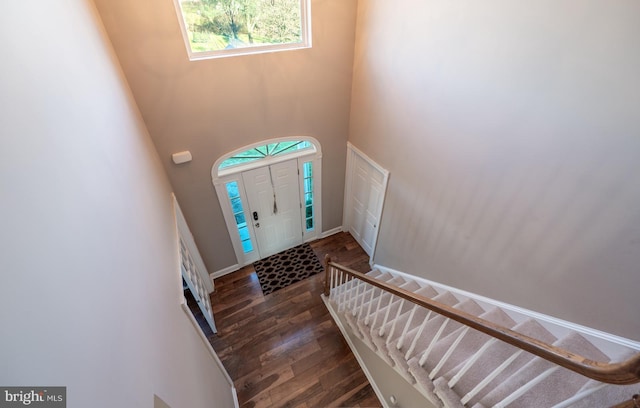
x=225 y=271
x=354 y=349
x=549 y=322
x=330 y=232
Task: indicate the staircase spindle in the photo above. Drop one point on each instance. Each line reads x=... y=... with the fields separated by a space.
x=470 y=362
x=490 y=377
x=522 y=390
x=414 y=342
x=373 y=292
x=448 y=354
x=406 y=327
x=386 y=316
x=435 y=339
x=395 y=320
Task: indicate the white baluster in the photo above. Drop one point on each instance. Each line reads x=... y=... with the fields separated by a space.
x=353 y=293
x=490 y=378
x=446 y=355
x=341 y=290
x=377 y=313
x=522 y=390
x=355 y=298
x=470 y=362
x=333 y=284
x=435 y=339
x=346 y=292
x=569 y=402
x=414 y=342
x=366 y=318
x=368 y=288
x=395 y=321
x=406 y=327
x=386 y=316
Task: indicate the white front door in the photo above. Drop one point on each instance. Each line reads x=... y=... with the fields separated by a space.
x=273 y=197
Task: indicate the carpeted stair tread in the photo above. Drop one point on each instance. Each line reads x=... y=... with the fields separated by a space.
x=469 y=344
x=372 y=332
x=394 y=329
x=353 y=321
x=376 y=319
x=497 y=353
x=430 y=329
x=446 y=394
x=608 y=396
x=546 y=393
x=451 y=345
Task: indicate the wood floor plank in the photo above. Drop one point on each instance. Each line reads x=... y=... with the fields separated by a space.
x=283 y=349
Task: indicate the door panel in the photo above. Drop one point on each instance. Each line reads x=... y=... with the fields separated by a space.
x=365 y=197
x=279 y=221
x=360 y=201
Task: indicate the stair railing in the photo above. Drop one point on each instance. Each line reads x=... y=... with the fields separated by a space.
x=340 y=278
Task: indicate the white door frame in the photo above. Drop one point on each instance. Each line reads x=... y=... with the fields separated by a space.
x=353 y=153
x=221 y=177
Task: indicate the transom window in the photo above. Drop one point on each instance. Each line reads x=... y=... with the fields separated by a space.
x=218 y=28
x=266 y=151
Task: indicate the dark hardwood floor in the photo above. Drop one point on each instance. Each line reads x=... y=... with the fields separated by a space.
x=283 y=349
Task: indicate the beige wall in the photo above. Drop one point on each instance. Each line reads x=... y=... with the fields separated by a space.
x=512 y=134
x=212 y=107
x=89 y=281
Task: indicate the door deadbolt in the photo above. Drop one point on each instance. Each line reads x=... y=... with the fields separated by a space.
x=257 y=225
x=255 y=216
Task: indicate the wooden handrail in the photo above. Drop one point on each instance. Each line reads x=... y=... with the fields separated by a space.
x=634 y=402
x=626 y=372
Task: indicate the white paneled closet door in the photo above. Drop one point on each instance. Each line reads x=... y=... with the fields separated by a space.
x=365 y=187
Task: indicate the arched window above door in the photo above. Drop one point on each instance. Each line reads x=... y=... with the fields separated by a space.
x=264 y=153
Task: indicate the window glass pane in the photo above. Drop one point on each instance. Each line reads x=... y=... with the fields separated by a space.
x=246 y=246
x=244 y=233
x=240 y=218
x=309 y=211
x=308 y=185
x=214 y=25
x=308 y=199
x=238 y=213
x=236 y=205
x=308 y=170
x=237 y=160
x=232 y=189
x=286 y=147
x=309 y=223
x=272 y=149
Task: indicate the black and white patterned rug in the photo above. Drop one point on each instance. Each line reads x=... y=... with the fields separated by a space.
x=287 y=267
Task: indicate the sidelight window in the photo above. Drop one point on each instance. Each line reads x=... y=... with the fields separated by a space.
x=307 y=181
x=238 y=215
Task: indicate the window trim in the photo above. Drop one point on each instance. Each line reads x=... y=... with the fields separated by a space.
x=305 y=27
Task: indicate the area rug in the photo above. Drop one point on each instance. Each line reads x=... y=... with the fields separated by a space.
x=287 y=267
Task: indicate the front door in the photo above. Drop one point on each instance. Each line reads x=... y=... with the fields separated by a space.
x=273 y=197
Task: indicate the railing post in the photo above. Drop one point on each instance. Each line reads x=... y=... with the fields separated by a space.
x=327 y=275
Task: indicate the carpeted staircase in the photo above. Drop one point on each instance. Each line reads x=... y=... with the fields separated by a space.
x=453 y=365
